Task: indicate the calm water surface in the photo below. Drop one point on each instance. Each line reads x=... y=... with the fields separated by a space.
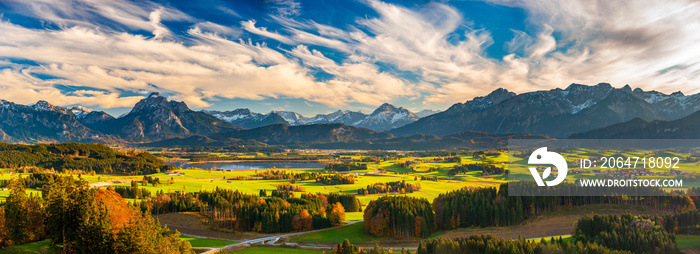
x=249 y=165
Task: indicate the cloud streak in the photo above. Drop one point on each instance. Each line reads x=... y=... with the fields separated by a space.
x=106 y=48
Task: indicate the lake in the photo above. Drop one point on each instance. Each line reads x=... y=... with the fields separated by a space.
x=249 y=165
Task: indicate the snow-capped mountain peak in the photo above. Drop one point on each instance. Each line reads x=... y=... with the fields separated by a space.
x=80 y=111
x=385 y=117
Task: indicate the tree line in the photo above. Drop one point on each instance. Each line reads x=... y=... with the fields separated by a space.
x=484 y=244
x=485 y=168
x=335 y=179
x=346 y=166
x=227 y=209
x=487 y=207
x=349 y=201
x=389 y=187
x=399 y=216
x=83 y=157
x=132 y=191
x=234 y=210
x=687 y=222
x=491 y=244
x=290 y=187
x=637 y=234
x=83 y=220
x=34 y=181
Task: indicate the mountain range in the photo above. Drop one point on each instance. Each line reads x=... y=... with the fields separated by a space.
x=155 y=118
x=384 y=118
x=152 y=118
x=638 y=128
x=579 y=111
x=555 y=113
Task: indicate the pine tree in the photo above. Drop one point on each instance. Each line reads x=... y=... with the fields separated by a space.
x=3 y=230
x=16 y=219
x=95 y=233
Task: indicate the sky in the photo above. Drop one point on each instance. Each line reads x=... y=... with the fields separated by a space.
x=319 y=56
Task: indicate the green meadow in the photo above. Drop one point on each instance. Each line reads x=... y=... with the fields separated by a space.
x=207 y=243
x=354 y=233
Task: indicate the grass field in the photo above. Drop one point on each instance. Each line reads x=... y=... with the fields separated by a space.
x=40 y=247
x=195 y=180
x=266 y=250
x=203 y=242
x=688 y=242
x=354 y=233
x=350 y=217
x=5 y=193
x=429 y=189
x=565 y=238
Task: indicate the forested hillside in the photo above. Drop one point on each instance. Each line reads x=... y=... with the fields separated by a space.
x=79 y=157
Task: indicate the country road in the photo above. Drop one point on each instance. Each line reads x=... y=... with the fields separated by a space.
x=273 y=238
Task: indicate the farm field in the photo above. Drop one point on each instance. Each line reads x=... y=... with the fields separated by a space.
x=389 y=170
x=688 y=243
x=354 y=233
x=204 y=242
x=191 y=223
x=40 y=247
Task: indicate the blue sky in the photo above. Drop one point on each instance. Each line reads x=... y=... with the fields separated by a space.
x=319 y=56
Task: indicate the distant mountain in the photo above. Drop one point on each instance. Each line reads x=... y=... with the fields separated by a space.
x=556 y=113
x=351 y=118
x=339 y=136
x=291 y=118
x=42 y=122
x=245 y=118
x=426 y=112
x=202 y=141
x=386 y=117
x=156 y=118
x=464 y=140
x=684 y=128
x=285 y=134
x=88 y=117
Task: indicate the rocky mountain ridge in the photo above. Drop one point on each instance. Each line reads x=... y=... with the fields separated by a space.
x=556 y=112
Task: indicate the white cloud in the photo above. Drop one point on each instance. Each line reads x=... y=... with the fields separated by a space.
x=286 y=8
x=212 y=66
x=648 y=44
x=622 y=42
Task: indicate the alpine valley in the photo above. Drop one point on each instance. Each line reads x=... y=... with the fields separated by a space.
x=488 y=121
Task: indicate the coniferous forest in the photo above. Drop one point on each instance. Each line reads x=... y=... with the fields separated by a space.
x=399 y=216
x=84 y=220
x=83 y=157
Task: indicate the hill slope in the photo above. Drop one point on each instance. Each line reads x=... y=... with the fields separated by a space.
x=684 y=128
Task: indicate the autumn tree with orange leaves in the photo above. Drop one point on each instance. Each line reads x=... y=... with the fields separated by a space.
x=337 y=214
x=303 y=221
x=120 y=213
x=86 y=220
